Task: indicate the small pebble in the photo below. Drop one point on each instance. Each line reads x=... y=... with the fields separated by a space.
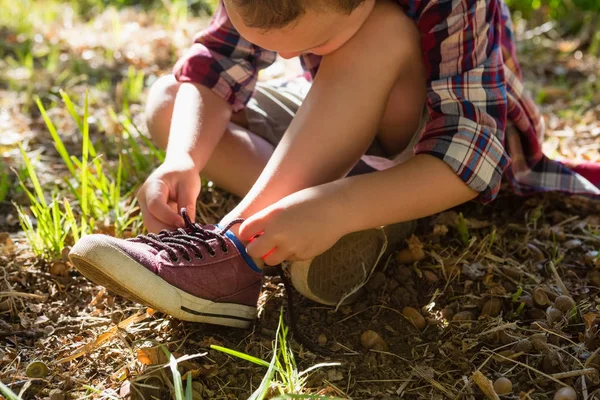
x=566 y=393
x=463 y=316
x=564 y=303
x=572 y=244
x=524 y=346
x=492 y=307
x=430 y=276
x=553 y=315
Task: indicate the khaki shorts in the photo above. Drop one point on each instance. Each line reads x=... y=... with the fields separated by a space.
x=274 y=105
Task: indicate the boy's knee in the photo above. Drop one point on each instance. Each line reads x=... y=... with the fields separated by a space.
x=159 y=107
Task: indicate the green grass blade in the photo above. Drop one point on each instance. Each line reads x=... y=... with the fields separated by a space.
x=260 y=393
x=243 y=356
x=71 y=219
x=9 y=394
x=33 y=177
x=188 y=388
x=84 y=167
x=58 y=143
x=71 y=109
x=4 y=182
x=177 y=383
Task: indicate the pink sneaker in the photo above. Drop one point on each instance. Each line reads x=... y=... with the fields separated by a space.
x=199 y=274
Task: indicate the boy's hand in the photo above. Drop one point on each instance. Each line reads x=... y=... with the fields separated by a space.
x=173 y=185
x=298 y=227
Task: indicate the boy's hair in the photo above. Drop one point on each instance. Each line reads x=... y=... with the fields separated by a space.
x=273 y=14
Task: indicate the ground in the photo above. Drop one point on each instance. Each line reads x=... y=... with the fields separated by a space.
x=494 y=283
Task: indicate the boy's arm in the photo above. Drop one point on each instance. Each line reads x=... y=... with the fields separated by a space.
x=217 y=76
x=468 y=112
x=339 y=117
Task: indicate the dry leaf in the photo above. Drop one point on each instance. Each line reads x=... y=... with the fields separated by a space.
x=485 y=385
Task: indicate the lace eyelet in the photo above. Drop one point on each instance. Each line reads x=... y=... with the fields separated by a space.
x=174 y=259
x=199 y=256
x=187 y=258
x=224 y=249
x=212 y=254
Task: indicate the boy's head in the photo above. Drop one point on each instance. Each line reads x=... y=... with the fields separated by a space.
x=293 y=27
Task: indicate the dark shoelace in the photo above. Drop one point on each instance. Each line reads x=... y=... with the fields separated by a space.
x=189 y=241
x=195 y=238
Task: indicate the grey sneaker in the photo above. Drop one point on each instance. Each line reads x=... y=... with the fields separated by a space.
x=337 y=275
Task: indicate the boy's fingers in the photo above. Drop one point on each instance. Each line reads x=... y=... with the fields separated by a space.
x=260 y=247
x=157 y=204
x=152 y=224
x=250 y=228
x=275 y=257
x=187 y=194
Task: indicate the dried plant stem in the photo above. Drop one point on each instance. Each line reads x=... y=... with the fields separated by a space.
x=559 y=281
x=571 y=374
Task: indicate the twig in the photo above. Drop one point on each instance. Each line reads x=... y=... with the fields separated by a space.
x=529 y=368
x=571 y=374
x=559 y=281
x=26 y=295
x=423 y=374
x=508 y=325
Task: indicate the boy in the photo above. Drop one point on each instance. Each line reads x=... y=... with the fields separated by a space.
x=359 y=152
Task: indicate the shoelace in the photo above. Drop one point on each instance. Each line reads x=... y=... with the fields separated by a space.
x=195 y=238
x=189 y=241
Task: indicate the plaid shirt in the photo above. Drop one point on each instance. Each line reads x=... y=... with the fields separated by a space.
x=482 y=123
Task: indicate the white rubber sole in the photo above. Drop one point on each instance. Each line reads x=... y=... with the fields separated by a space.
x=332 y=276
x=107 y=265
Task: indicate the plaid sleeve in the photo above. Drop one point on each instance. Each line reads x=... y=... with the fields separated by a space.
x=466 y=99
x=222 y=60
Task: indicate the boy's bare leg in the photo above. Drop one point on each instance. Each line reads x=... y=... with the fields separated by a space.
x=238 y=159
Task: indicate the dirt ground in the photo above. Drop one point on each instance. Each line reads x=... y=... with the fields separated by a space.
x=493 y=283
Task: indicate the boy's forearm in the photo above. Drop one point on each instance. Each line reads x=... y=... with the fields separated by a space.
x=199 y=120
x=336 y=122
x=420 y=187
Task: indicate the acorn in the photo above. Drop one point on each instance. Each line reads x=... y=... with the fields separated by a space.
x=492 y=307
x=36 y=369
x=372 y=340
x=564 y=303
x=503 y=386
x=540 y=297
x=415 y=317
x=565 y=393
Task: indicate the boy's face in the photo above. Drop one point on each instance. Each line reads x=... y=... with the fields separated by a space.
x=319 y=32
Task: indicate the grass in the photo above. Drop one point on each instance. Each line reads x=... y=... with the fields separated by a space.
x=99 y=196
x=282 y=377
